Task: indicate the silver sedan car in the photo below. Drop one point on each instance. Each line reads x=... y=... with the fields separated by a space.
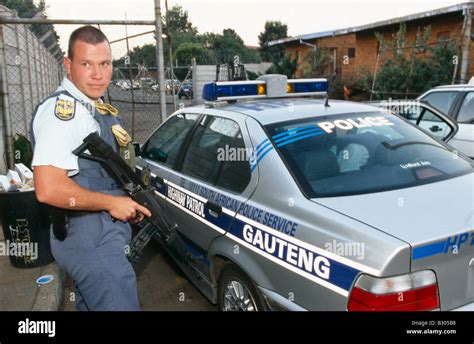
x=287 y=201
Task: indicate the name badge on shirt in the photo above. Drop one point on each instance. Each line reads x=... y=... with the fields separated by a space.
x=65 y=109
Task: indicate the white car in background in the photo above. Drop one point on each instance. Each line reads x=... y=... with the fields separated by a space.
x=456 y=101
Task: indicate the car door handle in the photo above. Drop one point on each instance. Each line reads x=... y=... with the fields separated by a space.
x=159 y=181
x=435 y=128
x=214 y=208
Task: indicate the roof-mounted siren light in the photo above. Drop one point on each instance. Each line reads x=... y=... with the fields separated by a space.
x=280 y=86
x=266 y=86
x=233 y=90
x=308 y=87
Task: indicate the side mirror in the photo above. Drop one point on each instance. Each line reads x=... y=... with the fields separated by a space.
x=157 y=155
x=138 y=151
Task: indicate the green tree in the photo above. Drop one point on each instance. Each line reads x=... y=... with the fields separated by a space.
x=24 y=8
x=180 y=31
x=229 y=45
x=273 y=30
x=180 y=38
x=286 y=66
x=28 y=9
x=179 y=20
x=315 y=63
x=187 y=51
x=207 y=48
x=144 y=55
x=435 y=70
x=414 y=70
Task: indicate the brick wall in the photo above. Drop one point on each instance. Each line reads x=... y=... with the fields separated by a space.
x=443 y=26
x=365 y=44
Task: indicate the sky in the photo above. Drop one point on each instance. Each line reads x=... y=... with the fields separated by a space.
x=246 y=17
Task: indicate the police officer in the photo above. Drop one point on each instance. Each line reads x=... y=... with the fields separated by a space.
x=93 y=252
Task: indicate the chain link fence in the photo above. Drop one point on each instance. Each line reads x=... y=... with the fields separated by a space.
x=29 y=72
x=134 y=90
x=32 y=72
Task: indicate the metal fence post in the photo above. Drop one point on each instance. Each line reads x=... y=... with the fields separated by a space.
x=195 y=80
x=159 y=59
x=22 y=82
x=131 y=83
x=170 y=55
x=6 y=106
x=32 y=103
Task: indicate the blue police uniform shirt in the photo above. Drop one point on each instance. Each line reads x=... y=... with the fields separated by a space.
x=60 y=126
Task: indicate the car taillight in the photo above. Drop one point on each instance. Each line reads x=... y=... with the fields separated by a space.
x=412 y=292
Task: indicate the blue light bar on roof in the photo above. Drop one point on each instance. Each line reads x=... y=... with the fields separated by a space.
x=230 y=90
x=271 y=87
x=300 y=87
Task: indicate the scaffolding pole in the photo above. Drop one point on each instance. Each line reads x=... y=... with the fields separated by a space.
x=159 y=59
x=170 y=54
x=9 y=20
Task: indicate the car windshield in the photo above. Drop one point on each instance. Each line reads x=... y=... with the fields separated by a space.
x=362 y=153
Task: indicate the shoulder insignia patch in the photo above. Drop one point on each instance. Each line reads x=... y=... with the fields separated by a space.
x=65 y=109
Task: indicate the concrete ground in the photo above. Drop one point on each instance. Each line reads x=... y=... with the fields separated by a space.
x=161 y=285
x=19 y=291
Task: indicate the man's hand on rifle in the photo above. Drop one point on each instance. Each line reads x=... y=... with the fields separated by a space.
x=125 y=209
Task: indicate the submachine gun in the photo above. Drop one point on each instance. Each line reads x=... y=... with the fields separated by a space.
x=158 y=223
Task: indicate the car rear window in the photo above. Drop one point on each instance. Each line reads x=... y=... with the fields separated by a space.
x=441 y=100
x=362 y=153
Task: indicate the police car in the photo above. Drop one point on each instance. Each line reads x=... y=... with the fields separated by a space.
x=290 y=202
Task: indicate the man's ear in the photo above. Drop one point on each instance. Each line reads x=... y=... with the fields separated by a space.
x=67 y=65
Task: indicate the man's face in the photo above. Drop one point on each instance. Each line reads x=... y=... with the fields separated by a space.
x=90 y=69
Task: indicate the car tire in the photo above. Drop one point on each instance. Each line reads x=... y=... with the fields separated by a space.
x=237 y=292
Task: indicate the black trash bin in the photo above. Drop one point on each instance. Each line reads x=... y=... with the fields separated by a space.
x=26 y=224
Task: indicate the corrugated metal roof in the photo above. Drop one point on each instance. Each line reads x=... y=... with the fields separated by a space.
x=339 y=32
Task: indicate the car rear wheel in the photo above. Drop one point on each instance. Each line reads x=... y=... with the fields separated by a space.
x=236 y=292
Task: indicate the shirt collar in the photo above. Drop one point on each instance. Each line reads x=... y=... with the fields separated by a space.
x=71 y=88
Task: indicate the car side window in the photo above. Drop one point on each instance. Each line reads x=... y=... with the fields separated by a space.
x=466 y=112
x=164 y=144
x=410 y=112
x=216 y=154
x=235 y=171
x=441 y=100
x=434 y=124
x=429 y=116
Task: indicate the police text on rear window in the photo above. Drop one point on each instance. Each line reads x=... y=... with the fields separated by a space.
x=362 y=153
